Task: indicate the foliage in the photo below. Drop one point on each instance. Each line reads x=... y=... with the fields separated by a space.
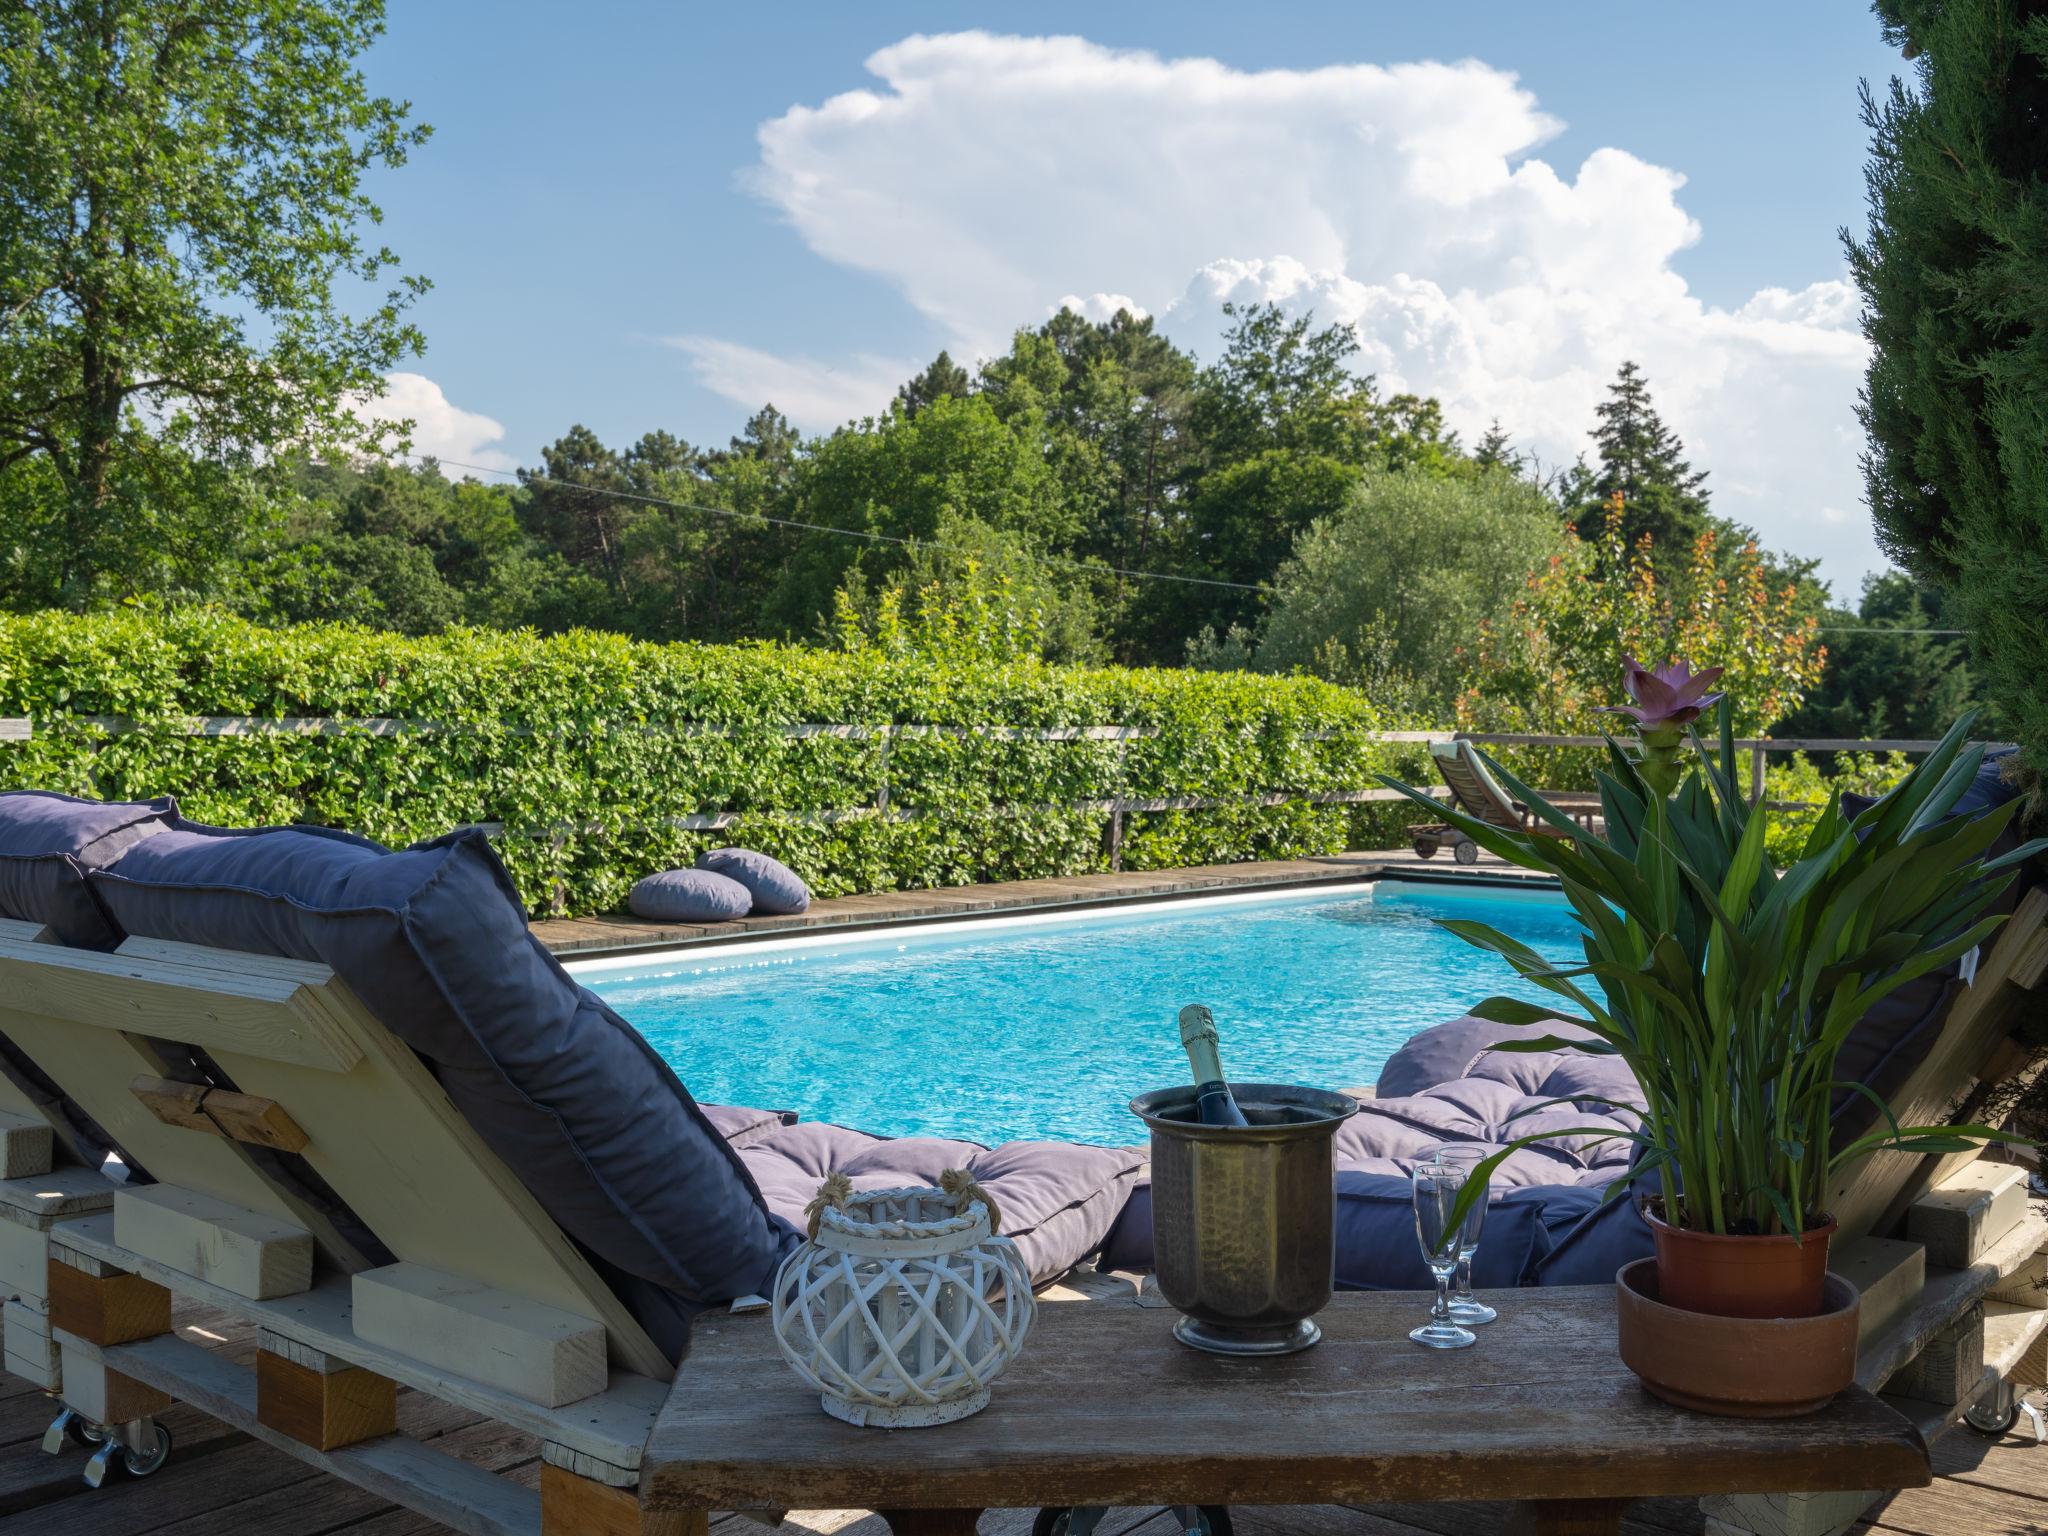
x=1953 y=270
x=1798 y=791
x=1885 y=676
x=588 y=748
x=1550 y=666
x=1395 y=584
x=180 y=212
x=976 y=592
x=1727 y=985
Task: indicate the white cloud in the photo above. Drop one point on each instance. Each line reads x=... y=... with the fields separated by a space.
x=1101 y=307
x=988 y=178
x=815 y=395
x=440 y=428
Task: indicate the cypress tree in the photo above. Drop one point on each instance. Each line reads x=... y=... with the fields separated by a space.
x=1954 y=275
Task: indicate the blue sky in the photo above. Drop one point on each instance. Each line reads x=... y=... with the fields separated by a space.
x=610 y=243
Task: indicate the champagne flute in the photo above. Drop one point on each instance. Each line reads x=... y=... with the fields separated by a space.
x=1464 y=1309
x=1435 y=1187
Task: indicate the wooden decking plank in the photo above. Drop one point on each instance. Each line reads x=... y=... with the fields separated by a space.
x=180 y=1491
x=2013 y=1464
x=28 y=1478
x=1954 y=1508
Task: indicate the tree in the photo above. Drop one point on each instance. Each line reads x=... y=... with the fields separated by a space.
x=1556 y=660
x=180 y=212
x=1952 y=269
x=944 y=379
x=901 y=478
x=1886 y=675
x=1643 y=462
x=1395 y=585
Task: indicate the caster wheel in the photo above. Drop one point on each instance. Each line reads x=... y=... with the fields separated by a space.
x=83 y=1433
x=1467 y=853
x=1425 y=850
x=143 y=1463
x=1987 y=1421
x=1052 y=1520
x=1215 y=1520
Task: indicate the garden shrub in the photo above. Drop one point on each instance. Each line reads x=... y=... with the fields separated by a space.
x=586 y=746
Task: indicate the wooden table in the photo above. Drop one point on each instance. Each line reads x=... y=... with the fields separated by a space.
x=1105 y=1408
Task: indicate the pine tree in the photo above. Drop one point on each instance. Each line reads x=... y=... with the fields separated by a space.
x=943 y=379
x=1496 y=450
x=1954 y=269
x=1642 y=459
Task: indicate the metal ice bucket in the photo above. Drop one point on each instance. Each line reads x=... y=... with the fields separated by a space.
x=1242 y=1218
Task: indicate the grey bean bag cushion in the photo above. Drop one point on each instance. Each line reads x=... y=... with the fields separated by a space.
x=689 y=896
x=433 y=940
x=777 y=890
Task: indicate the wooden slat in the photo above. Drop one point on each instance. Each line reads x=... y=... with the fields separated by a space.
x=241 y=1117
x=612 y=1426
x=96 y=1066
x=16 y=728
x=173 y=1102
x=272 y=1017
x=387 y=1139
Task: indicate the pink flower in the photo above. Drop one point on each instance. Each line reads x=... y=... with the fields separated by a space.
x=1668 y=697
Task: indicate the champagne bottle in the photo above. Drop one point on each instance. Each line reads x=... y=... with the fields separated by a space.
x=1214 y=1103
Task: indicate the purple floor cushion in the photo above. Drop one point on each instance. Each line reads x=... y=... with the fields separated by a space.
x=1057 y=1199
x=776 y=888
x=688 y=896
x=434 y=941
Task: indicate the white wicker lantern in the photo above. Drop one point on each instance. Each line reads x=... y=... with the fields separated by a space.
x=904 y=1305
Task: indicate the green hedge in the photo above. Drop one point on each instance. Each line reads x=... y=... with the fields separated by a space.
x=585 y=745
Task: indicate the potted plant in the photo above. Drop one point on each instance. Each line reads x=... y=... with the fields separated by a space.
x=1728 y=985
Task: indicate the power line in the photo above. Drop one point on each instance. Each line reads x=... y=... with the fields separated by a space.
x=1878 y=629
x=529 y=477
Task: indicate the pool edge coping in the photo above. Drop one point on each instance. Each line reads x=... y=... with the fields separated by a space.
x=662 y=941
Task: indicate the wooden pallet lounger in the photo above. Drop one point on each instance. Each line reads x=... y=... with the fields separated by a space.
x=489 y=1306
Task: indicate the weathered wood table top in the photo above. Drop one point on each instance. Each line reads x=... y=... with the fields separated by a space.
x=1104 y=1407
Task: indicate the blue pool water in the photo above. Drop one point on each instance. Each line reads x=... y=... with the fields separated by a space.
x=1046 y=1029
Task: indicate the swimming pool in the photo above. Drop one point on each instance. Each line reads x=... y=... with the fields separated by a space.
x=1045 y=1025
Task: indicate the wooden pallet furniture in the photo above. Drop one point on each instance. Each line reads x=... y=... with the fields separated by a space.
x=489 y=1305
x=1945 y=1249
x=1104 y=1407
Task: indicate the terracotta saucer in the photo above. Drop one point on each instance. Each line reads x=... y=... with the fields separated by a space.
x=1738 y=1367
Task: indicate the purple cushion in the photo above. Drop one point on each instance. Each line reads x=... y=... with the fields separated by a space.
x=776 y=888
x=1057 y=1199
x=49 y=841
x=689 y=896
x=434 y=942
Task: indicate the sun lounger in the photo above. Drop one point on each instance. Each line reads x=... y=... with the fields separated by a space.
x=1478 y=793
x=368 y=1115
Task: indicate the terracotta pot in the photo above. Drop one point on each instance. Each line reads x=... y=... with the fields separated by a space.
x=1741 y=1276
x=1737 y=1367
